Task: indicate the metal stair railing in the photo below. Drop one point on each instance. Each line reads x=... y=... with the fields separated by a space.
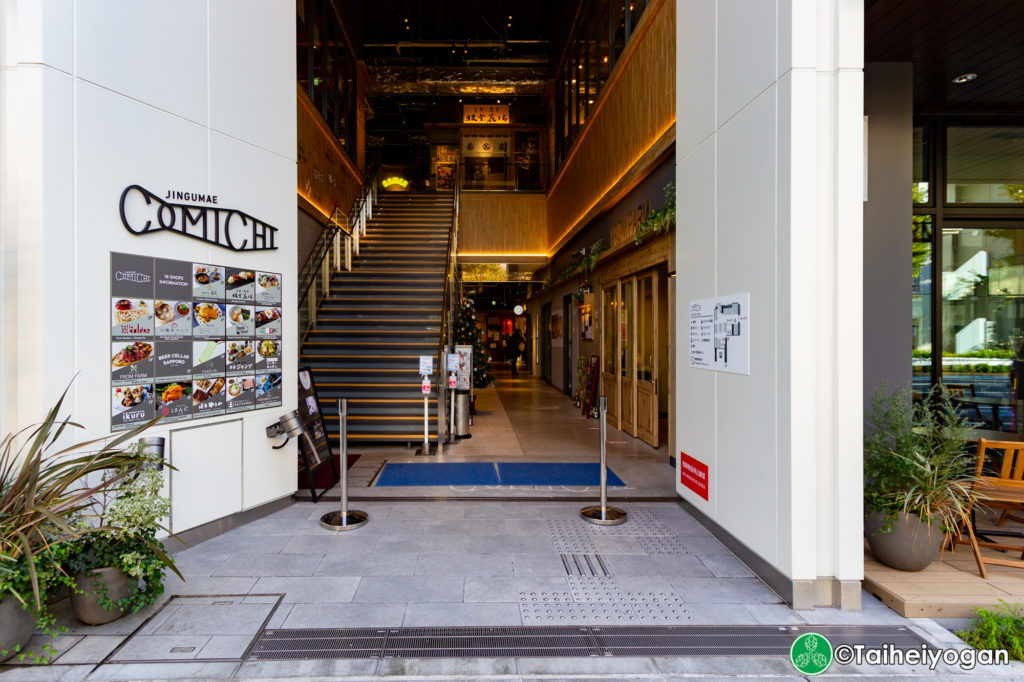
x=445 y=338
x=333 y=251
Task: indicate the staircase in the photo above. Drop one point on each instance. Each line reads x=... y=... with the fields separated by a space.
x=379 y=318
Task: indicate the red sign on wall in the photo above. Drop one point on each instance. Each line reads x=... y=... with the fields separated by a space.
x=693 y=474
x=506 y=326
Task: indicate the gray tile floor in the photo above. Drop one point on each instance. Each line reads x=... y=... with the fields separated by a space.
x=465 y=562
x=474 y=566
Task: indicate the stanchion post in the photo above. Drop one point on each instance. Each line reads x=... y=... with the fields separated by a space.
x=344 y=519
x=603 y=515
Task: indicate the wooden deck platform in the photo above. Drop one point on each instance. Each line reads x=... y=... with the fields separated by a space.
x=950 y=588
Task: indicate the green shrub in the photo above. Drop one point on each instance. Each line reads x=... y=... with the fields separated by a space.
x=1002 y=628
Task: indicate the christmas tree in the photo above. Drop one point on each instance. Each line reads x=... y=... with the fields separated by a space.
x=468 y=334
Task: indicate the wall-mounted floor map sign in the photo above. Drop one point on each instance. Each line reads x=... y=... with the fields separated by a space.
x=720 y=333
x=183 y=340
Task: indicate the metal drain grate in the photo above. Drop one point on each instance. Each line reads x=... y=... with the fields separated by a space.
x=584 y=565
x=557 y=641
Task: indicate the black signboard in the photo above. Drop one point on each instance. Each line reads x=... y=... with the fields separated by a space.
x=183 y=339
x=312 y=418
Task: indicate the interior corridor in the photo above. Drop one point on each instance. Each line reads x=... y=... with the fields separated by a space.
x=523 y=419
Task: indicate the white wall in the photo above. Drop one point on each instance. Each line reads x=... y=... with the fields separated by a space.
x=194 y=95
x=769 y=157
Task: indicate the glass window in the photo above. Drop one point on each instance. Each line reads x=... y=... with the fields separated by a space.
x=645 y=330
x=922 y=167
x=626 y=328
x=608 y=330
x=983 y=322
x=984 y=165
x=921 y=306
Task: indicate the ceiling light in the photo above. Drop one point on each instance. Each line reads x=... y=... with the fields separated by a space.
x=605 y=59
x=965 y=78
x=590 y=101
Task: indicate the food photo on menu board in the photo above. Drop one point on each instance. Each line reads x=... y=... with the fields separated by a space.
x=131 y=318
x=131 y=362
x=241 y=320
x=131 y=405
x=208 y=397
x=241 y=393
x=174 y=400
x=268 y=288
x=173 y=319
x=208 y=320
x=241 y=285
x=241 y=356
x=207 y=358
x=268 y=322
x=207 y=282
x=268 y=355
x=268 y=389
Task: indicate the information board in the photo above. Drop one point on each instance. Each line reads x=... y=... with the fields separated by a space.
x=191 y=340
x=720 y=333
x=465 y=372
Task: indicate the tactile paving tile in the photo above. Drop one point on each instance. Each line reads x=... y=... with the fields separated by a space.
x=590 y=589
x=570 y=537
x=639 y=523
x=596 y=613
x=604 y=613
x=662 y=544
x=545 y=597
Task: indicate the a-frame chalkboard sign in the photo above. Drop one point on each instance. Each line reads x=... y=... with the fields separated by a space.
x=314 y=449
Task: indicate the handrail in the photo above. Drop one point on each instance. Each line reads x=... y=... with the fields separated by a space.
x=445 y=337
x=329 y=254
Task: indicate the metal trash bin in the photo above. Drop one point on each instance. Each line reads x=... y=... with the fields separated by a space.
x=462 y=414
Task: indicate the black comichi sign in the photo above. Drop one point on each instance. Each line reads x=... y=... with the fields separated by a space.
x=143 y=212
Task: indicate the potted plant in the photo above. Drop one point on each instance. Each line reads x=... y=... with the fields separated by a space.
x=918 y=477
x=119 y=567
x=42 y=485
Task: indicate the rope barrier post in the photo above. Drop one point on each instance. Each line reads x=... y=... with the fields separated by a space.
x=345 y=519
x=603 y=515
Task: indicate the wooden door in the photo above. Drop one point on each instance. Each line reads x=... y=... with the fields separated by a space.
x=627 y=355
x=609 y=353
x=647 y=357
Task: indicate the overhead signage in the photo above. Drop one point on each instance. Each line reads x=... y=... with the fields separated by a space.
x=720 y=333
x=187 y=342
x=143 y=212
x=394 y=182
x=693 y=474
x=624 y=229
x=485 y=114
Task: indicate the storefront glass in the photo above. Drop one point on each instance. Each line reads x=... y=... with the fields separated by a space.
x=608 y=333
x=985 y=165
x=921 y=305
x=922 y=166
x=983 y=321
x=602 y=29
x=626 y=328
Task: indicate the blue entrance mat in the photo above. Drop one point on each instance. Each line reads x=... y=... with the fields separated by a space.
x=439 y=473
x=554 y=473
x=489 y=473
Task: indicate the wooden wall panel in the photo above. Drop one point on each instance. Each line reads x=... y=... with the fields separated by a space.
x=326 y=176
x=502 y=223
x=636 y=111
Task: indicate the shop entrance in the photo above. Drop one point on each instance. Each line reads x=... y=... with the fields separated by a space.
x=634 y=352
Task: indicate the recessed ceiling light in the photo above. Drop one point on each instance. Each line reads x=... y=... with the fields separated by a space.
x=965 y=78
